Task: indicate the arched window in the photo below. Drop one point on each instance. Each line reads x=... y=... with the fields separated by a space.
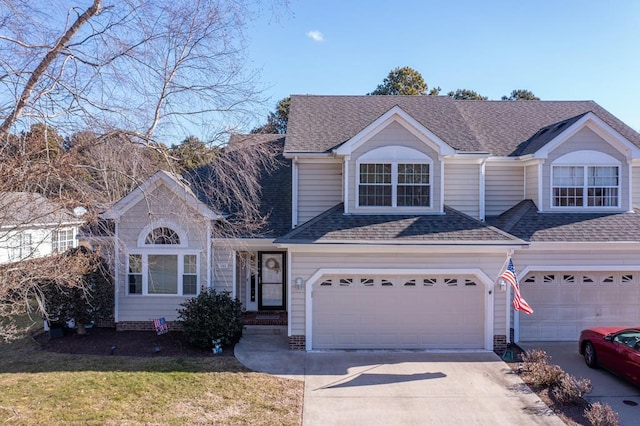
x=162 y=235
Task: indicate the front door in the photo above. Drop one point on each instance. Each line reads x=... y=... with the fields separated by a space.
x=271 y=280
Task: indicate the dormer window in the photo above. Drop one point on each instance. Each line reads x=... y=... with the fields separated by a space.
x=586 y=185
x=403 y=180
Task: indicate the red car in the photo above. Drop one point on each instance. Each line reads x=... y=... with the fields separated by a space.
x=615 y=348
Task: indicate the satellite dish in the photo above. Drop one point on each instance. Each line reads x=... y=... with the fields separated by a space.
x=79 y=211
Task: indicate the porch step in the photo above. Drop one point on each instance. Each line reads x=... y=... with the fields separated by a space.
x=275 y=318
x=265 y=329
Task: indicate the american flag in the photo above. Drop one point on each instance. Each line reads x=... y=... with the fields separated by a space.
x=519 y=304
x=161 y=326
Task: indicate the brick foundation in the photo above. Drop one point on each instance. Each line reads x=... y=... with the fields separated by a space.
x=298 y=342
x=144 y=326
x=499 y=343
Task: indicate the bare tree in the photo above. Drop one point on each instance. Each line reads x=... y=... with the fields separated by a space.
x=139 y=66
x=89 y=88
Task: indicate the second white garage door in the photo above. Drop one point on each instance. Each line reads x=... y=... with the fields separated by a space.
x=565 y=303
x=398 y=312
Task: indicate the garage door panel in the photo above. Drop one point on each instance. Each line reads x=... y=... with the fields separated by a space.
x=398 y=316
x=562 y=308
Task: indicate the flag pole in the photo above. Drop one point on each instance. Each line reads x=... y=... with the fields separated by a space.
x=507 y=300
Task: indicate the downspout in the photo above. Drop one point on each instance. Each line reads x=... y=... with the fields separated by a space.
x=294 y=191
x=441 y=184
x=209 y=254
x=116 y=271
x=630 y=180
x=539 y=186
x=289 y=292
x=345 y=183
x=234 y=273
x=482 y=190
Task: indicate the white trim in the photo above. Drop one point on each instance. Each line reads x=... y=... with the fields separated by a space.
x=579 y=268
x=630 y=181
x=210 y=253
x=345 y=183
x=484 y=280
x=441 y=204
x=234 y=273
x=180 y=254
x=162 y=223
x=540 y=185
x=396 y=114
x=174 y=183
x=585 y=186
x=294 y=192
x=289 y=294
x=599 y=127
x=482 y=189
x=394 y=163
x=116 y=271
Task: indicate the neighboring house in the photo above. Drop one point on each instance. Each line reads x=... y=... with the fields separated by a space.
x=32 y=226
x=393 y=219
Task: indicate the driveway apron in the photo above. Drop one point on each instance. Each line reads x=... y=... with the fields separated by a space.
x=398 y=388
x=607 y=388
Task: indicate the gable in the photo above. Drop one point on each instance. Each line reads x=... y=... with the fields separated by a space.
x=392 y=128
x=166 y=187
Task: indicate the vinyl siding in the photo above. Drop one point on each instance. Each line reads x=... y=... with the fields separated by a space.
x=635 y=186
x=585 y=139
x=504 y=187
x=462 y=187
x=319 y=188
x=531 y=183
x=304 y=265
x=393 y=135
x=161 y=204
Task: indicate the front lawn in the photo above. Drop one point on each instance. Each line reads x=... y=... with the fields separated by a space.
x=41 y=387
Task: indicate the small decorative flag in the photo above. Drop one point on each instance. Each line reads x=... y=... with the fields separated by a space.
x=519 y=304
x=161 y=326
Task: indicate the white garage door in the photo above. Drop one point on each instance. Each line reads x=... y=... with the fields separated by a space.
x=565 y=303
x=395 y=312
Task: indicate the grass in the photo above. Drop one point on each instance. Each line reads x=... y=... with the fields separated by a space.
x=49 y=388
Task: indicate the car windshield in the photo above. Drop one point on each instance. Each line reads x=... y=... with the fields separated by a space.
x=629 y=338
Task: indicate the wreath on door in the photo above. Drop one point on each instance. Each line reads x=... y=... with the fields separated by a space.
x=273 y=264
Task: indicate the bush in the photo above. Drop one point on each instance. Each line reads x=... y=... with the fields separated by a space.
x=570 y=389
x=533 y=357
x=546 y=374
x=210 y=316
x=601 y=415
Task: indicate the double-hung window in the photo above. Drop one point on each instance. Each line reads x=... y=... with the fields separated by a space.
x=586 y=186
x=162 y=267
x=395 y=184
x=62 y=239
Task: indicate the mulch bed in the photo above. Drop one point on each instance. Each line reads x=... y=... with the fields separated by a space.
x=108 y=341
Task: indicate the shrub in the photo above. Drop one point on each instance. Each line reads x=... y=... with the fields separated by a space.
x=532 y=358
x=545 y=374
x=91 y=300
x=210 y=316
x=601 y=415
x=570 y=390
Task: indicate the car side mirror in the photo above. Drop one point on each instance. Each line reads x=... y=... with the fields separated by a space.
x=608 y=337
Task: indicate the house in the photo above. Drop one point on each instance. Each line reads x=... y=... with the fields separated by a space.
x=32 y=226
x=393 y=217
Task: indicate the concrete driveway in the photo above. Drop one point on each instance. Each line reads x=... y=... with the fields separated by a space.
x=607 y=388
x=398 y=388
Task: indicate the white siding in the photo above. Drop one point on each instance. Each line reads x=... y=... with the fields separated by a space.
x=159 y=205
x=585 y=139
x=504 y=187
x=635 y=186
x=223 y=268
x=531 y=183
x=393 y=135
x=319 y=188
x=462 y=187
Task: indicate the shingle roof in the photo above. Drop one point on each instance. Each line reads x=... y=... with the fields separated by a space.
x=525 y=222
x=275 y=197
x=502 y=128
x=453 y=227
x=32 y=209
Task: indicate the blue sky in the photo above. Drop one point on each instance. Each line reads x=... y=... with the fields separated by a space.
x=560 y=50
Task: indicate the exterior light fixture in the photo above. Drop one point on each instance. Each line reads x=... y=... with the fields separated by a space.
x=299 y=282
